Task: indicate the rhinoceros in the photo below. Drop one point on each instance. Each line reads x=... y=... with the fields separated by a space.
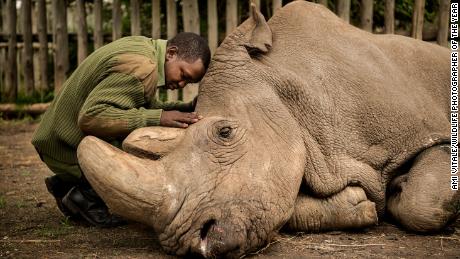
x=310 y=124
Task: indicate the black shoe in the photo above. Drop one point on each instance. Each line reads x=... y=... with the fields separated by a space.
x=86 y=203
x=59 y=188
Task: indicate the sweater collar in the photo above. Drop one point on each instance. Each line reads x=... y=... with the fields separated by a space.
x=160 y=51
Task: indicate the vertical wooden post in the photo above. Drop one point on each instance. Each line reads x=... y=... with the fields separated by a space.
x=171 y=18
x=135 y=17
x=323 y=2
x=43 y=41
x=28 y=60
x=389 y=16
x=82 y=31
x=171 y=24
x=231 y=15
x=343 y=9
x=61 y=43
x=3 y=29
x=256 y=2
x=11 y=69
x=417 y=19
x=191 y=16
x=277 y=4
x=444 y=18
x=156 y=19
x=366 y=14
x=116 y=17
x=191 y=19
x=213 y=30
x=98 y=37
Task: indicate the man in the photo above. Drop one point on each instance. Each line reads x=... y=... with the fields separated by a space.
x=109 y=95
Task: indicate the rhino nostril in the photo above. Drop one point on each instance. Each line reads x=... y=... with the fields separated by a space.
x=206 y=227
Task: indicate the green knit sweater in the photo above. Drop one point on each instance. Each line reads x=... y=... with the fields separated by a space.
x=109 y=95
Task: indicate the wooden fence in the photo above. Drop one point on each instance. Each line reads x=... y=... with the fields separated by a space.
x=38 y=45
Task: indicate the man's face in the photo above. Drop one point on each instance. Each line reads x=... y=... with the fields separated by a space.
x=179 y=73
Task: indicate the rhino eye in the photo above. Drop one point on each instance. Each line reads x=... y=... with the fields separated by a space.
x=225 y=132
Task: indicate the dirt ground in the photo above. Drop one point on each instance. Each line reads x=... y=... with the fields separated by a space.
x=32 y=226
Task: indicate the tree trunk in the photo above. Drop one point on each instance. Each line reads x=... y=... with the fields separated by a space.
x=28 y=57
x=277 y=4
x=98 y=37
x=343 y=9
x=417 y=19
x=232 y=16
x=135 y=17
x=11 y=69
x=257 y=3
x=171 y=24
x=82 y=31
x=61 y=43
x=43 y=41
x=366 y=14
x=156 y=19
x=213 y=31
x=389 y=16
x=116 y=17
x=443 y=31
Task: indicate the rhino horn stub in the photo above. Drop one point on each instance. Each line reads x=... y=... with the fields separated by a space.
x=135 y=188
x=260 y=36
x=153 y=142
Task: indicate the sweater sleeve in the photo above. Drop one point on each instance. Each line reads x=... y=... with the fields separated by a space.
x=168 y=106
x=114 y=108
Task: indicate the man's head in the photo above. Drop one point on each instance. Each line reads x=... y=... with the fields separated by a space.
x=187 y=59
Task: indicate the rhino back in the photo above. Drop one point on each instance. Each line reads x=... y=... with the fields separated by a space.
x=371 y=99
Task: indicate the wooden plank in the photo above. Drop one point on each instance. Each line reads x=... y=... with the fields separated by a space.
x=82 y=31
x=343 y=9
x=191 y=16
x=116 y=18
x=11 y=89
x=443 y=31
x=135 y=17
x=156 y=19
x=276 y=4
x=389 y=16
x=43 y=44
x=98 y=36
x=12 y=109
x=28 y=54
x=213 y=30
x=417 y=19
x=367 y=9
x=61 y=53
x=231 y=15
x=191 y=21
x=171 y=27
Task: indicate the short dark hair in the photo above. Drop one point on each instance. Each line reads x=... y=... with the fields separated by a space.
x=190 y=47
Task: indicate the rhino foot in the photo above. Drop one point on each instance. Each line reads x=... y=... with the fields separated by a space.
x=348 y=209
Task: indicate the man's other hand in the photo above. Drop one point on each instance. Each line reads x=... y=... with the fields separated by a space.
x=178 y=119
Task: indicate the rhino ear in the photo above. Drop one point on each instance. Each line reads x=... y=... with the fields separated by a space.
x=260 y=37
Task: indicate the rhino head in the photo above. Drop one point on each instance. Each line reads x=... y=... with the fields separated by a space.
x=227 y=183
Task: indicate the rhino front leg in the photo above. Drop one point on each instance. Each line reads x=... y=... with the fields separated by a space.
x=348 y=209
x=421 y=200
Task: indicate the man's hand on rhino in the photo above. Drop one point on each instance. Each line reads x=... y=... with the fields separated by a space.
x=178 y=119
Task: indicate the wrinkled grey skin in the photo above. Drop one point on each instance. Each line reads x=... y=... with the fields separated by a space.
x=309 y=123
